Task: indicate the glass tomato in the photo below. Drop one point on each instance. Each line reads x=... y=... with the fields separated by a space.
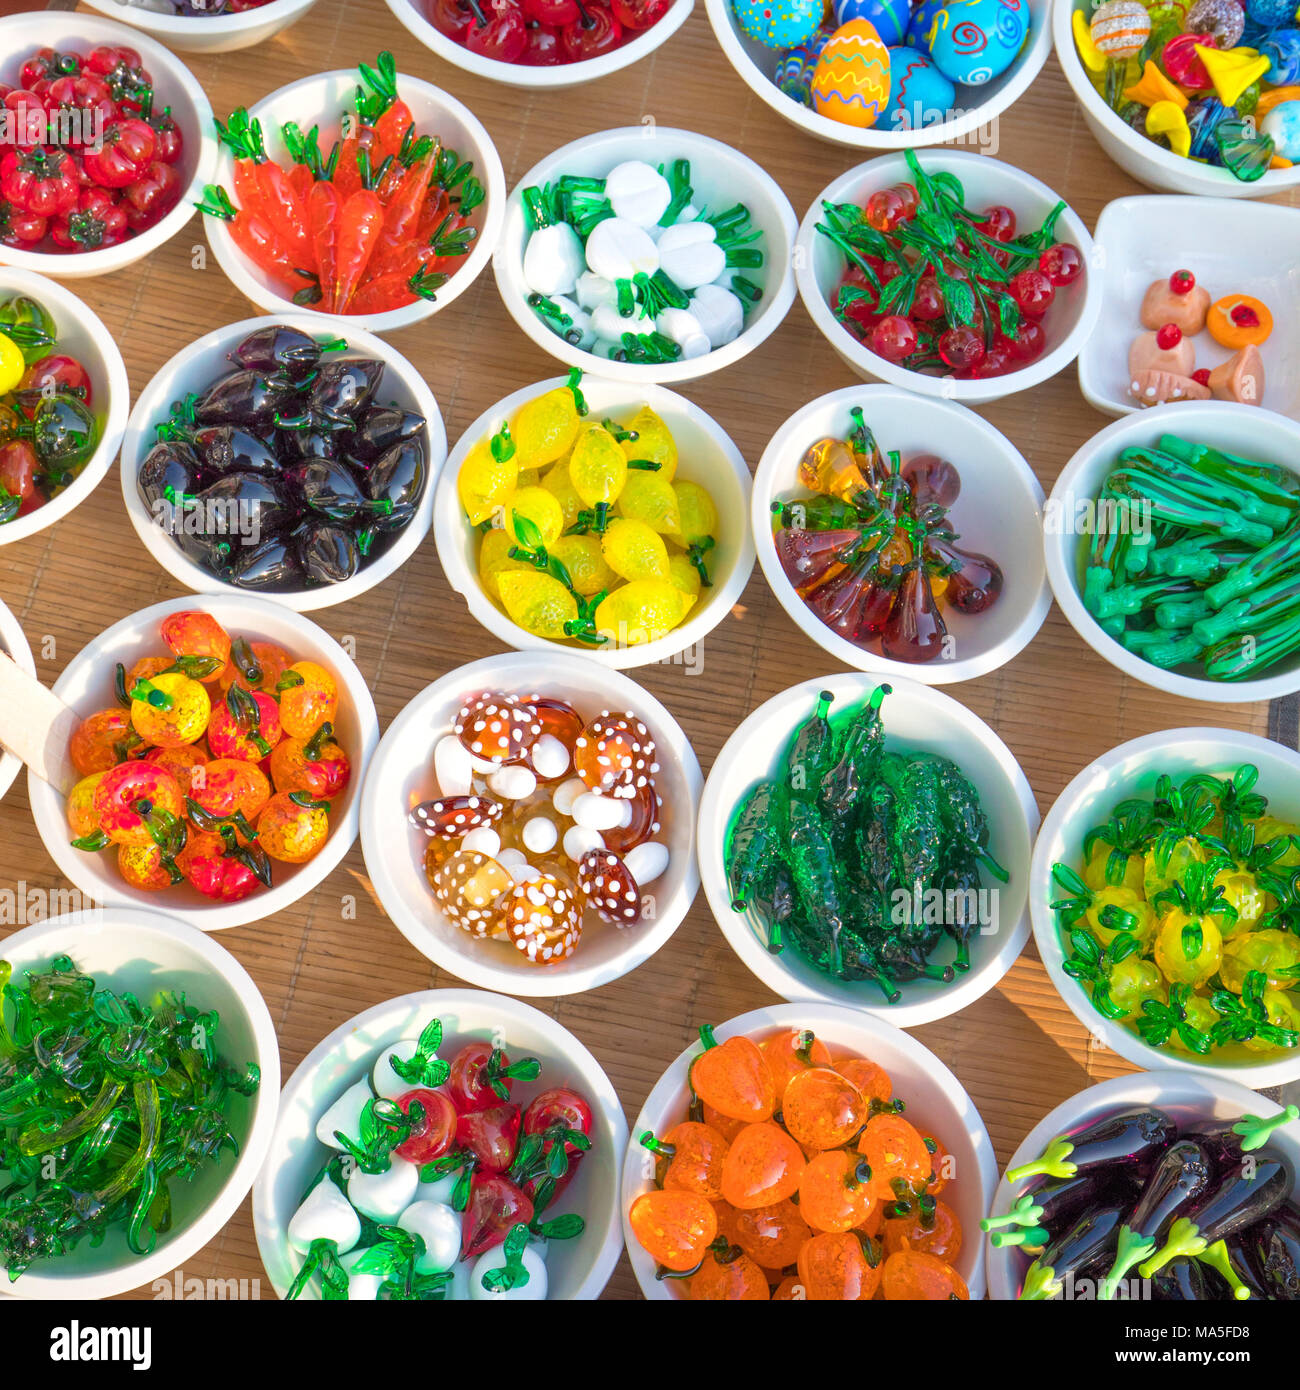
x=293 y=828
x=41 y=180
x=169 y=709
x=317 y=765
x=227 y=787
x=244 y=726
x=123 y=153
x=102 y=740
x=491 y=1135
x=674 y=1228
x=254 y=666
x=142 y=867
x=133 y=797
x=733 y=1077
x=194 y=633
x=762 y=1166
x=434 y=1120
x=309 y=698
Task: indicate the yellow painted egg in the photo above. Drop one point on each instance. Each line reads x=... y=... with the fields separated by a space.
x=851 y=81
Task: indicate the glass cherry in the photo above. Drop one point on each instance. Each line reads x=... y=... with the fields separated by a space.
x=999 y=223
x=1062 y=264
x=893 y=338
x=927 y=302
x=639 y=14
x=591 y=35
x=451 y=17
x=503 y=37
x=1029 y=342
x=1182 y=282
x=961 y=348
x=543 y=47
x=552 y=12
x=1032 y=291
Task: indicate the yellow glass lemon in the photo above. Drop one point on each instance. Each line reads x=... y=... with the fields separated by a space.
x=558 y=483
x=540 y=507
x=683 y=575
x=654 y=443
x=633 y=550
x=581 y=556
x=650 y=498
x=641 y=611
x=494 y=560
x=537 y=602
x=597 y=467
x=485 y=482
x=545 y=427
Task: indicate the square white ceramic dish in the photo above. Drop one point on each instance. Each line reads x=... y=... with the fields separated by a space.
x=1232 y=246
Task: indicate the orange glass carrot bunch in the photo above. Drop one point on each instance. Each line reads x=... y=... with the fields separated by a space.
x=383 y=220
x=797 y=1177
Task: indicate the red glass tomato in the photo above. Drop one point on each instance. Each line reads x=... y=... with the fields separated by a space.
x=125 y=149
x=59 y=372
x=434 y=1118
x=41 y=180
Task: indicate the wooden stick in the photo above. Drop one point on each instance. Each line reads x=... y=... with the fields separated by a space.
x=36 y=725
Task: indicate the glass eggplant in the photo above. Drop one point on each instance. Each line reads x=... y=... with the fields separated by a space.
x=246 y=398
x=1131 y=1139
x=278 y=348
x=1092 y=1237
x=1268 y=1255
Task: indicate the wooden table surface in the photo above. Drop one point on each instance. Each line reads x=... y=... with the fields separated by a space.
x=1019 y=1050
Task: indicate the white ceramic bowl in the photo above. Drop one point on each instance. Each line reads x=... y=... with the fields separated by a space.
x=707 y=457
x=223 y=33
x=1131 y=770
x=1134 y=237
x=323 y=99
x=82 y=335
x=147 y=952
x=174 y=86
x=1241 y=429
x=721 y=176
x=401 y=776
x=576 y=1269
x=1000 y=497
x=13 y=640
x=1185 y=1098
x=195 y=368
x=1149 y=163
x=756 y=65
x=411 y=14
x=917 y=718
x=87 y=685
x=819 y=265
x=937 y=1103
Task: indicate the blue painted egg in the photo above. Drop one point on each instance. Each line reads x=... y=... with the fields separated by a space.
x=1282 y=50
x=1271 y=14
x=794 y=72
x=851 y=81
x=1283 y=124
x=889 y=18
x=974 y=41
x=919 y=94
x=922 y=18
x=778 y=23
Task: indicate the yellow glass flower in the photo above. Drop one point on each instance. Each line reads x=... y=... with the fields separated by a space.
x=1167 y=119
x=1232 y=71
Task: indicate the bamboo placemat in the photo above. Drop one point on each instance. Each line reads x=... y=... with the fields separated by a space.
x=1019 y=1050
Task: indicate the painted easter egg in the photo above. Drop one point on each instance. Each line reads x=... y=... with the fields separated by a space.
x=922 y=20
x=1283 y=124
x=974 y=41
x=794 y=71
x=889 y=18
x=1271 y=14
x=778 y=23
x=851 y=81
x=1120 y=27
x=919 y=94
x=1282 y=50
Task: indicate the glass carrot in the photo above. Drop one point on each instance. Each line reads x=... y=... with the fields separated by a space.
x=380 y=107
x=254 y=235
x=361 y=220
x=262 y=186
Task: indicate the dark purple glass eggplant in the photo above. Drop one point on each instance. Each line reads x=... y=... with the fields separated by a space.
x=398 y=477
x=328 y=489
x=1083 y=1244
x=1131 y=1139
x=342 y=389
x=381 y=427
x=329 y=553
x=232 y=449
x=1228 y=1141
x=1240 y=1197
x=273 y=565
x=245 y=506
x=243 y=398
x=1183 y=1174
x=304 y=445
x=1268 y=1255
x=1187 y=1281
x=169 y=470
x=278 y=348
